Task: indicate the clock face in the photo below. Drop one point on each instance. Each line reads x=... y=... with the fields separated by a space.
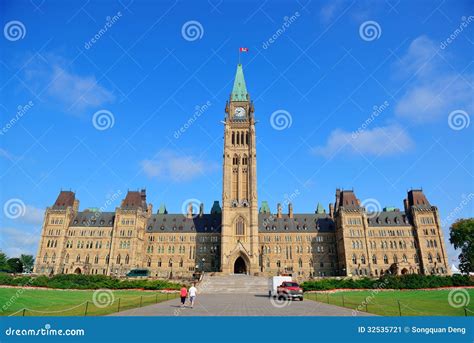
x=239 y=112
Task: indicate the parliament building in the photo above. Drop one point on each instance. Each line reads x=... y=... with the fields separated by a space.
x=237 y=236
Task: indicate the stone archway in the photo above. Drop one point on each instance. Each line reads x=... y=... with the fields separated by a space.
x=240 y=267
x=77 y=271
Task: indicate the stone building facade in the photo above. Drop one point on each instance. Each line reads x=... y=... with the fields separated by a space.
x=240 y=237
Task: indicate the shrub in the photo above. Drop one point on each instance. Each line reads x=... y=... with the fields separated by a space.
x=410 y=281
x=74 y=281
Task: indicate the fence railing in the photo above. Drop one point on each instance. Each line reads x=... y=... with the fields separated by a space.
x=395 y=307
x=91 y=308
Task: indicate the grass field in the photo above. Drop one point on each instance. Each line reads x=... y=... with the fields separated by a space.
x=37 y=302
x=412 y=302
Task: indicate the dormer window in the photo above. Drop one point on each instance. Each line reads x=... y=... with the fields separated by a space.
x=162 y=227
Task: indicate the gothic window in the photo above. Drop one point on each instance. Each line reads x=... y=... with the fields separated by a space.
x=148 y=262
x=107 y=259
x=247 y=138
x=233 y=138
x=362 y=259
x=96 y=259
x=238 y=138
x=45 y=258
x=374 y=259
x=53 y=259
x=242 y=138
x=385 y=259
x=170 y=263
x=395 y=259
x=430 y=258
x=78 y=258
x=118 y=259
x=240 y=227
x=354 y=259
x=181 y=263
x=404 y=258
x=438 y=258
x=159 y=262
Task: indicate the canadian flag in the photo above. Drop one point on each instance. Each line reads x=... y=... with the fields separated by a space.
x=244 y=50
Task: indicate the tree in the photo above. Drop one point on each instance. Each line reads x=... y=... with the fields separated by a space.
x=3 y=262
x=15 y=265
x=461 y=235
x=28 y=261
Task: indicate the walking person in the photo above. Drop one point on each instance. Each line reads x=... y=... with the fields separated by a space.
x=183 y=294
x=192 y=294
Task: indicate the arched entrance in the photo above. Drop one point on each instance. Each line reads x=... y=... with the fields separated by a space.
x=404 y=271
x=77 y=271
x=239 y=266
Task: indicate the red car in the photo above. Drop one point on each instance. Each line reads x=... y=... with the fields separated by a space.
x=290 y=290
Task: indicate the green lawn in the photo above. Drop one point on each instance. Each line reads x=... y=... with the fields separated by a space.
x=73 y=302
x=412 y=302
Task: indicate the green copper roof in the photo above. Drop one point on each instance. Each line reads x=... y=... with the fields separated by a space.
x=162 y=209
x=265 y=208
x=216 y=208
x=390 y=209
x=320 y=209
x=239 y=92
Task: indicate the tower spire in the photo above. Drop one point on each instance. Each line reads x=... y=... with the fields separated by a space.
x=239 y=92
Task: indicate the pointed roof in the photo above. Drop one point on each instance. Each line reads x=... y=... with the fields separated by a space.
x=239 y=92
x=162 y=209
x=265 y=208
x=320 y=209
x=216 y=208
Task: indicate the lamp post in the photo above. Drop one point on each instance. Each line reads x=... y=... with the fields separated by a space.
x=203 y=260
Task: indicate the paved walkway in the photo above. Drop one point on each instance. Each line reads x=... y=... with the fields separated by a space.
x=240 y=305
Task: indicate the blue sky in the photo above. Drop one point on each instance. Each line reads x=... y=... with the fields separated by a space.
x=368 y=95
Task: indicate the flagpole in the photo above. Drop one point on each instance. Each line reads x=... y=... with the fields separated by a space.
x=239 y=55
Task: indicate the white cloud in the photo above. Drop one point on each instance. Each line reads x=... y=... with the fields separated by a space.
x=329 y=11
x=33 y=215
x=171 y=166
x=435 y=90
x=76 y=92
x=387 y=140
x=15 y=242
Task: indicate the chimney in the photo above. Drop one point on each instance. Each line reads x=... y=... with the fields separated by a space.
x=290 y=210
x=331 y=210
x=405 y=205
x=190 y=210
x=201 y=209
x=338 y=195
x=279 y=211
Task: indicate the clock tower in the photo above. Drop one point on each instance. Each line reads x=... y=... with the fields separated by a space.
x=239 y=239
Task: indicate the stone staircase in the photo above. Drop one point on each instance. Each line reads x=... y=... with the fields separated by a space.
x=233 y=284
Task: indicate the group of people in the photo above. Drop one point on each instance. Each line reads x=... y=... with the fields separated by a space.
x=184 y=293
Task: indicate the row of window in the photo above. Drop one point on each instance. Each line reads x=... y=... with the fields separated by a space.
x=240 y=138
x=391 y=233
x=288 y=239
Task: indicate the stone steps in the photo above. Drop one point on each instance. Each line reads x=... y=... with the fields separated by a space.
x=236 y=284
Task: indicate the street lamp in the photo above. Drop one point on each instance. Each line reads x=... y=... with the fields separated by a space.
x=202 y=265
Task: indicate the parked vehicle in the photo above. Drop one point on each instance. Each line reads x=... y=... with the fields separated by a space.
x=138 y=273
x=276 y=281
x=290 y=290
